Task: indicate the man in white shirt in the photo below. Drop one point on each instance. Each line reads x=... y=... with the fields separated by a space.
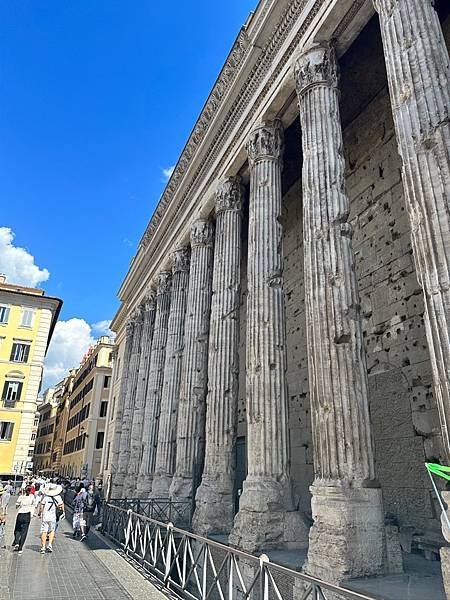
x=51 y=500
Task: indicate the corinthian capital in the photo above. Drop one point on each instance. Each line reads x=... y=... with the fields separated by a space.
x=164 y=283
x=202 y=233
x=180 y=259
x=266 y=141
x=229 y=194
x=150 y=301
x=129 y=327
x=316 y=66
x=387 y=6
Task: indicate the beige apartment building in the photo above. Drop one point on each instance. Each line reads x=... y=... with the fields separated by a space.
x=62 y=393
x=47 y=410
x=86 y=413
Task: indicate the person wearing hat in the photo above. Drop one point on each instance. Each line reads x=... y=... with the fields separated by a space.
x=51 y=509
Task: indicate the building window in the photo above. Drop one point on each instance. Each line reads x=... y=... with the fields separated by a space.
x=30 y=452
x=4 y=314
x=27 y=317
x=36 y=421
x=103 y=409
x=33 y=436
x=6 y=431
x=111 y=414
x=11 y=391
x=106 y=381
x=20 y=352
x=99 y=440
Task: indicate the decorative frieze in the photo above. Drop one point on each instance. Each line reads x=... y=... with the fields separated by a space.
x=214 y=500
x=191 y=410
x=344 y=490
x=154 y=386
x=165 y=453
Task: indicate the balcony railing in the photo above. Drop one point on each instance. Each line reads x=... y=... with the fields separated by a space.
x=197 y=568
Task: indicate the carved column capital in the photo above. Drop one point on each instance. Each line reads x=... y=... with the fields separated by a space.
x=129 y=327
x=316 y=66
x=164 y=283
x=180 y=259
x=202 y=233
x=149 y=302
x=229 y=194
x=266 y=142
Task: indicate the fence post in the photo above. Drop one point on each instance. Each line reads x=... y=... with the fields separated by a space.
x=169 y=552
x=264 y=580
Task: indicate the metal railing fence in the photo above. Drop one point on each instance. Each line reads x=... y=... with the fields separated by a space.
x=161 y=509
x=197 y=568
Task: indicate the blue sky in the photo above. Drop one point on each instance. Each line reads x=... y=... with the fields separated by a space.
x=97 y=100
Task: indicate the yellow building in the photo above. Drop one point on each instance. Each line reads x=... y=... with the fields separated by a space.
x=63 y=389
x=86 y=419
x=27 y=321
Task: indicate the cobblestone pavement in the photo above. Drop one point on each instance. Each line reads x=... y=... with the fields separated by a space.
x=92 y=569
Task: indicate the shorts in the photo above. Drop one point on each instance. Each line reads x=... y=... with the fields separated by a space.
x=48 y=526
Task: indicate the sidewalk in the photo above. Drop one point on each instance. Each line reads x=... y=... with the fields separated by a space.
x=92 y=569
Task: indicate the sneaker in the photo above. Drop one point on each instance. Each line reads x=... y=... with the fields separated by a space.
x=43 y=550
x=83 y=537
x=49 y=548
x=20 y=551
x=16 y=547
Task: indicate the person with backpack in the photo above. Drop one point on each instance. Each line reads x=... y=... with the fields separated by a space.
x=91 y=509
x=51 y=510
x=78 y=512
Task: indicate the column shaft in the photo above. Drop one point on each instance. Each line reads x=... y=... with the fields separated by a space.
x=266 y=498
x=165 y=453
x=154 y=386
x=214 y=499
x=343 y=451
x=191 y=410
x=116 y=485
x=418 y=70
x=139 y=406
x=127 y=420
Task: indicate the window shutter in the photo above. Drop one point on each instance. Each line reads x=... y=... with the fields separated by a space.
x=5 y=390
x=13 y=352
x=19 y=391
x=26 y=352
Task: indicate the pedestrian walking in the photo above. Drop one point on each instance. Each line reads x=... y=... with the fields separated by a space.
x=78 y=512
x=25 y=506
x=51 y=510
x=2 y=531
x=4 y=499
x=91 y=509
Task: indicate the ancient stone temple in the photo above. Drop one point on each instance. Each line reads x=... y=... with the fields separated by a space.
x=284 y=328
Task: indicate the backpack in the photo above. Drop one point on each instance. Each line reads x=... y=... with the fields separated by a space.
x=59 y=511
x=90 y=502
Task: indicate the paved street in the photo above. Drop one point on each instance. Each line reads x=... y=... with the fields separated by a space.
x=93 y=570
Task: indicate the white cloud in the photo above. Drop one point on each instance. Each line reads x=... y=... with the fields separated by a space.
x=102 y=328
x=17 y=263
x=168 y=172
x=70 y=341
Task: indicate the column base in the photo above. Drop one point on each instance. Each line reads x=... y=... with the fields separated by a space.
x=266 y=519
x=347 y=537
x=445 y=567
x=161 y=485
x=117 y=485
x=144 y=486
x=214 y=506
x=180 y=488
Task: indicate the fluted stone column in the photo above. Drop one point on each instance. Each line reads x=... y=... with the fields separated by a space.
x=116 y=491
x=191 y=409
x=165 y=453
x=266 y=518
x=130 y=397
x=154 y=386
x=418 y=70
x=214 y=500
x=131 y=478
x=347 y=534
